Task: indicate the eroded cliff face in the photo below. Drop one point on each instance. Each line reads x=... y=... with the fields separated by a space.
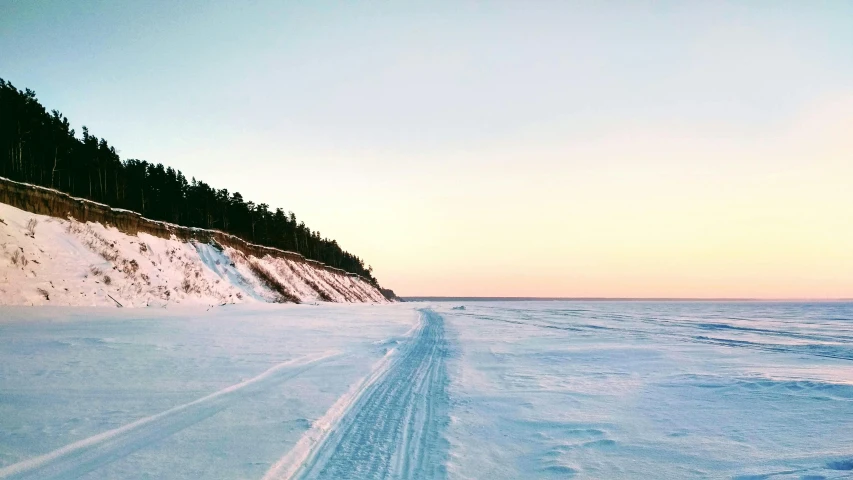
x=147 y=262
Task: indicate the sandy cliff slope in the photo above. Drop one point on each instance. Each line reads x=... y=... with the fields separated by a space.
x=52 y=261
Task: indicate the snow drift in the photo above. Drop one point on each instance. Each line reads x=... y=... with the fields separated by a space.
x=53 y=261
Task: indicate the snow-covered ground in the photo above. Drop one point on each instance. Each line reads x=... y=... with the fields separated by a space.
x=651 y=390
x=425 y=391
x=52 y=261
x=180 y=392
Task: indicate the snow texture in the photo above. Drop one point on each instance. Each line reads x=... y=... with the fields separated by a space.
x=499 y=390
x=50 y=261
x=628 y=390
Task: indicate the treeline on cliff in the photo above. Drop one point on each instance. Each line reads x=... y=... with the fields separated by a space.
x=40 y=147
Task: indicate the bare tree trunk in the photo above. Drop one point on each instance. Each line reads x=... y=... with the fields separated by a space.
x=53 y=172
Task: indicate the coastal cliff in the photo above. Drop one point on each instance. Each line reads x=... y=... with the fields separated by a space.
x=252 y=271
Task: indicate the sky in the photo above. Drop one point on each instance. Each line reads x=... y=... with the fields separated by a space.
x=537 y=148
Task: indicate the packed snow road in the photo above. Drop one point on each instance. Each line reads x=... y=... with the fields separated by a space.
x=393 y=425
x=393 y=430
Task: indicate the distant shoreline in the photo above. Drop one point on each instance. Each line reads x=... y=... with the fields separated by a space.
x=615 y=299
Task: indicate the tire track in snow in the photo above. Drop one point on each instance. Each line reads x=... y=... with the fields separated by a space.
x=389 y=425
x=78 y=458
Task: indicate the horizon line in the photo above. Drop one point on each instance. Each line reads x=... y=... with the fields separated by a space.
x=623 y=299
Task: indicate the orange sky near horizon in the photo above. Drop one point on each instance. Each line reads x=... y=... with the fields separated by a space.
x=767 y=217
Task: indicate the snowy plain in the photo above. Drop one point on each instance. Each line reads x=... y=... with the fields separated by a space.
x=497 y=390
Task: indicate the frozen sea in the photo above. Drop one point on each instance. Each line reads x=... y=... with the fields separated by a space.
x=497 y=390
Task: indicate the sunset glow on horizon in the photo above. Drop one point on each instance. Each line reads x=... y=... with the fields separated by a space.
x=769 y=218
x=700 y=150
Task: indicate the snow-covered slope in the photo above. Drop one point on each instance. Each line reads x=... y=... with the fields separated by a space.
x=51 y=261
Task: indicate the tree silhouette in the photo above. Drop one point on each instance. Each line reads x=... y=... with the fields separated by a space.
x=41 y=148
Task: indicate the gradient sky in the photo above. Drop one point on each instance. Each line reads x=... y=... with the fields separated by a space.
x=628 y=149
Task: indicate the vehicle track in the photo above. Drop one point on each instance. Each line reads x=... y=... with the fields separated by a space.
x=393 y=429
x=83 y=456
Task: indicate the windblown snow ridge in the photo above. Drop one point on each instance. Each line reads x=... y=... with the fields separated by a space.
x=52 y=261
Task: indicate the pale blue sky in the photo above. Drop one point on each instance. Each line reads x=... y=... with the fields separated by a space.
x=412 y=122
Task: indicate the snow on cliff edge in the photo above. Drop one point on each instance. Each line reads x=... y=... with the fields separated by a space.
x=51 y=261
